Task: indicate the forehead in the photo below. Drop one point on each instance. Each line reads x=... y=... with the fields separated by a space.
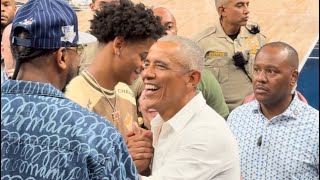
x=12 y=2
x=237 y=1
x=164 y=14
x=272 y=56
x=163 y=50
x=106 y=1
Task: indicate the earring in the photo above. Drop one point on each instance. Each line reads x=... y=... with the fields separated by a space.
x=118 y=53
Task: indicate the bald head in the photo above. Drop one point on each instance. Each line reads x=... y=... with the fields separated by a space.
x=220 y=3
x=167 y=20
x=284 y=48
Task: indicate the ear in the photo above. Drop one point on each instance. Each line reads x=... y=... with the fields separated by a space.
x=294 y=77
x=61 y=58
x=221 y=11
x=118 y=43
x=194 y=78
x=91 y=6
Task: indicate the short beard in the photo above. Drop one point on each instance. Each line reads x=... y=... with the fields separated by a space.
x=70 y=76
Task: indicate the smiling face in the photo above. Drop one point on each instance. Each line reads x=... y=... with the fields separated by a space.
x=274 y=77
x=168 y=83
x=235 y=12
x=131 y=56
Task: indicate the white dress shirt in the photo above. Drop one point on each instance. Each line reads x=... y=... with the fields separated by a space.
x=195 y=144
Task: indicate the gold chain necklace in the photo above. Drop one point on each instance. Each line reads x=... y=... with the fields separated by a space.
x=115 y=111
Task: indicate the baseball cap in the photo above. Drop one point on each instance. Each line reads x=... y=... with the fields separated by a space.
x=51 y=24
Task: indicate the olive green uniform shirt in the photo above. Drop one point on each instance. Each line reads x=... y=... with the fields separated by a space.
x=219 y=49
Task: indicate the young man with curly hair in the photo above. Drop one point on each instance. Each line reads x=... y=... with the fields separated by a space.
x=125 y=33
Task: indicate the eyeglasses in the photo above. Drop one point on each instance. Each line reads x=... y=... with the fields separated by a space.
x=79 y=49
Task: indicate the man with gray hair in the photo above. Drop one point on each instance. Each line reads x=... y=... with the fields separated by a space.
x=191 y=141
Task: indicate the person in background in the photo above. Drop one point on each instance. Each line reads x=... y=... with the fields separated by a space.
x=44 y=135
x=277 y=133
x=6 y=54
x=185 y=122
x=8 y=9
x=229 y=49
x=145 y=114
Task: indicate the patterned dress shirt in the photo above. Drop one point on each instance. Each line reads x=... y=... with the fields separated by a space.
x=46 y=136
x=285 y=147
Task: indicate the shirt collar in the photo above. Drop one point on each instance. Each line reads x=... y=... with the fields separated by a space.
x=220 y=32
x=291 y=112
x=182 y=118
x=30 y=88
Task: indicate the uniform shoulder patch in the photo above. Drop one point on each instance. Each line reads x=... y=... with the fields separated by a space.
x=203 y=34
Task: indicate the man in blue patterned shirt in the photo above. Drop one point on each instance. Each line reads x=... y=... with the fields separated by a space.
x=43 y=134
x=278 y=134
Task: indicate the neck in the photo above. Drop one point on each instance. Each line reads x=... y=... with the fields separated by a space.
x=102 y=69
x=167 y=113
x=28 y=72
x=274 y=109
x=229 y=29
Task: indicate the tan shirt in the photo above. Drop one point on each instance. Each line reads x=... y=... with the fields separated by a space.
x=219 y=49
x=84 y=91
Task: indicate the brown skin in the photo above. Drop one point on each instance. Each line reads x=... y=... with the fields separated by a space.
x=8 y=9
x=234 y=14
x=167 y=20
x=96 y=5
x=6 y=51
x=121 y=61
x=109 y=68
x=273 y=80
x=57 y=69
x=175 y=86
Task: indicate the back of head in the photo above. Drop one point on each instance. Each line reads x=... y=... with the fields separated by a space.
x=127 y=20
x=189 y=54
x=41 y=27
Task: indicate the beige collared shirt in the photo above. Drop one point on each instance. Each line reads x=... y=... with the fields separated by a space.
x=194 y=144
x=219 y=49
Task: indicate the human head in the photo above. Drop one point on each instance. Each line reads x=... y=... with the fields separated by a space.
x=167 y=20
x=125 y=33
x=275 y=73
x=96 y=4
x=146 y=113
x=233 y=12
x=44 y=42
x=8 y=8
x=172 y=71
x=6 y=50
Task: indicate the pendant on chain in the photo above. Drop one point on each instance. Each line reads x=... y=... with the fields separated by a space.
x=116 y=115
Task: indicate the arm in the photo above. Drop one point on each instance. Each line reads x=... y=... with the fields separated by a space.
x=139 y=142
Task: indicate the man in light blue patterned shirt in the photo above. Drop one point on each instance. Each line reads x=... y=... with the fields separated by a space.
x=278 y=134
x=44 y=135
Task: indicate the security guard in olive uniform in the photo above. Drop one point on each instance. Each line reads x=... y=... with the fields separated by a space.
x=230 y=48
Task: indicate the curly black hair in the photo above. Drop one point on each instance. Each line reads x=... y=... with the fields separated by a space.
x=133 y=22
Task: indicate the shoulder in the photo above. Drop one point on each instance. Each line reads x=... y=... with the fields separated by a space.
x=254 y=29
x=239 y=113
x=124 y=91
x=207 y=32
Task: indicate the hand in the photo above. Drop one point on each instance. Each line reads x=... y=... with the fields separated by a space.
x=139 y=142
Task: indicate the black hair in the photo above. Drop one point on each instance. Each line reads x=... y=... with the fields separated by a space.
x=133 y=22
x=22 y=54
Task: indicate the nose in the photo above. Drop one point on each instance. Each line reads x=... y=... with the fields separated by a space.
x=246 y=9
x=260 y=76
x=148 y=73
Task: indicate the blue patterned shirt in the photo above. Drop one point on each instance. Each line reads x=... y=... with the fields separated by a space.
x=288 y=146
x=46 y=136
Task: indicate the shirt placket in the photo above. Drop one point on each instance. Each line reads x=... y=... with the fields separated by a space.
x=264 y=148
